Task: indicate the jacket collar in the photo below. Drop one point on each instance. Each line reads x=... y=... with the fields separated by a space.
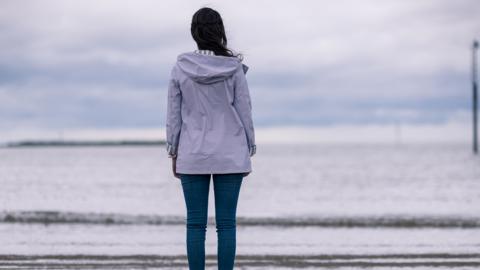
x=206 y=52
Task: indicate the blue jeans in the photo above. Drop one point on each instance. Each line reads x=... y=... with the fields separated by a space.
x=195 y=189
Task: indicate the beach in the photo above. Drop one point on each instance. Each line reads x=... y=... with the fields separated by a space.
x=304 y=206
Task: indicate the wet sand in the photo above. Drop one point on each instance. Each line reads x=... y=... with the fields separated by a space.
x=100 y=246
x=437 y=260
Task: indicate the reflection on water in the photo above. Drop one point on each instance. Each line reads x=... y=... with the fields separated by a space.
x=288 y=180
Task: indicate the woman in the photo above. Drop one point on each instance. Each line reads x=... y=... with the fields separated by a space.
x=210 y=132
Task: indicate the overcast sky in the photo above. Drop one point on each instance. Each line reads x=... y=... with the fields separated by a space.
x=105 y=64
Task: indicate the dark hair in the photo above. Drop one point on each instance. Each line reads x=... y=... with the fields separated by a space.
x=209 y=34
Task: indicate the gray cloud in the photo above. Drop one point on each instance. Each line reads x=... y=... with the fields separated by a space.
x=106 y=64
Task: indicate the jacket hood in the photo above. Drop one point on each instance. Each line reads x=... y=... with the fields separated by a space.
x=207 y=69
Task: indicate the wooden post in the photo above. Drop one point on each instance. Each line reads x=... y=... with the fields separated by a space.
x=475 y=96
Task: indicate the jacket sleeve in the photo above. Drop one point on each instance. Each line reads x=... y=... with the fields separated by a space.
x=243 y=106
x=174 y=117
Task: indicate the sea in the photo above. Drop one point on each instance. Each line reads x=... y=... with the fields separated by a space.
x=304 y=206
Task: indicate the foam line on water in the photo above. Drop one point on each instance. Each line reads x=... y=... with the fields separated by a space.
x=58 y=217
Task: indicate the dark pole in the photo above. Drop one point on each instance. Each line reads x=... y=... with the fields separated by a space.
x=475 y=96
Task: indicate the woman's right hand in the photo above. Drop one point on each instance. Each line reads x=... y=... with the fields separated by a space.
x=174 y=167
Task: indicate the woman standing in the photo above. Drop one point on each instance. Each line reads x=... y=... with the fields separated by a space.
x=210 y=132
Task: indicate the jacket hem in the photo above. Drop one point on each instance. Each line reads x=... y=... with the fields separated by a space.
x=212 y=171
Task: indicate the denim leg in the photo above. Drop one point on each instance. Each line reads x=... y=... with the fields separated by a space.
x=195 y=190
x=227 y=189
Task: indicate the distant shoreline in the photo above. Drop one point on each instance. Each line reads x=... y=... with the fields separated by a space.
x=80 y=143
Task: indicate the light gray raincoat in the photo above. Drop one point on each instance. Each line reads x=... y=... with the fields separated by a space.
x=209 y=115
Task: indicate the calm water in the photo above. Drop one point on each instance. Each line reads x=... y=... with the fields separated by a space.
x=380 y=205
